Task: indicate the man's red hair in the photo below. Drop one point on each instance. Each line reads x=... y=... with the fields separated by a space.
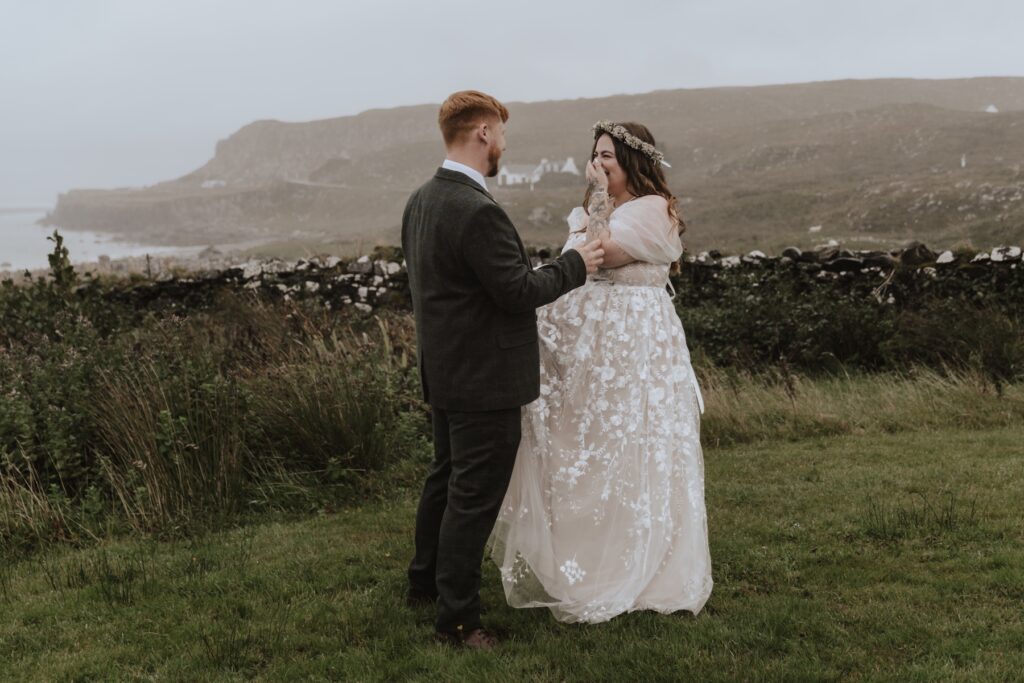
x=463 y=110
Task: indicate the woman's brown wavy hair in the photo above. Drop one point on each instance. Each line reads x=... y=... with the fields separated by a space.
x=643 y=175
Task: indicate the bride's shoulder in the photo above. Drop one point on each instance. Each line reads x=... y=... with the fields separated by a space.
x=653 y=204
x=645 y=204
x=650 y=210
x=644 y=208
x=652 y=200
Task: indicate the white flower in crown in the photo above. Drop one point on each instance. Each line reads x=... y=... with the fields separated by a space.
x=621 y=134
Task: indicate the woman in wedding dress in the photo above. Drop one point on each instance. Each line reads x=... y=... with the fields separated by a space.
x=605 y=511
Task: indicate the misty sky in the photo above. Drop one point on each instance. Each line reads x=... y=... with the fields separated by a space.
x=128 y=92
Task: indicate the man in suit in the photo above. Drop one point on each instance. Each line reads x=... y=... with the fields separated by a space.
x=474 y=297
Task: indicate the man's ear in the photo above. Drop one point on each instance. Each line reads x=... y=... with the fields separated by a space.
x=483 y=131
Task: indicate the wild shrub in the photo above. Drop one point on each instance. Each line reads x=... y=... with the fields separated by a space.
x=762 y=315
x=948 y=334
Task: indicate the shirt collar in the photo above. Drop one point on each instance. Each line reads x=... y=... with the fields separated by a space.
x=474 y=174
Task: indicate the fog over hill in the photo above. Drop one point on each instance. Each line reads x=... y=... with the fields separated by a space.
x=874 y=161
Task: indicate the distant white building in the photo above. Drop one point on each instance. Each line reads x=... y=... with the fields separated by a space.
x=555 y=166
x=519 y=174
x=530 y=174
x=992 y=109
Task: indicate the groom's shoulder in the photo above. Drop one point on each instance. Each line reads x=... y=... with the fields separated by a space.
x=454 y=192
x=459 y=184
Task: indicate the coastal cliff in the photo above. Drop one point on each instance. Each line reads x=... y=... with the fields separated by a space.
x=869 y=163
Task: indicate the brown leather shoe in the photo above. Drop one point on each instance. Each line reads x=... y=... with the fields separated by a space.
x=477 y=639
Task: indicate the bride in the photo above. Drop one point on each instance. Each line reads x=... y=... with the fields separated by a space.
x=605 y=511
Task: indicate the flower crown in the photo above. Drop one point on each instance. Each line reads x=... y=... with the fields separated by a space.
x=620 y=133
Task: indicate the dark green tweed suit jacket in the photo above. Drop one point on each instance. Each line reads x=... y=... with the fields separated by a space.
x=474 y=295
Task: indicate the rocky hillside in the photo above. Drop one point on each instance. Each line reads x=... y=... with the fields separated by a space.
x=864 y=162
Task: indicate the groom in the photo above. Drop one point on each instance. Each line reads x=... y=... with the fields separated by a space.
x=474 y=294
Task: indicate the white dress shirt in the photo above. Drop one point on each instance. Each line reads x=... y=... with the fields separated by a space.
x=462 y=168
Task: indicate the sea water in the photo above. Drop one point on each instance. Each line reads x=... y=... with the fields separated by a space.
x=23 y=244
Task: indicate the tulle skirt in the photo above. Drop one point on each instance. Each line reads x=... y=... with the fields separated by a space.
x=605 y=511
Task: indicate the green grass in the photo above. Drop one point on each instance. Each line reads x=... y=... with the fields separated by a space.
x=856 y=557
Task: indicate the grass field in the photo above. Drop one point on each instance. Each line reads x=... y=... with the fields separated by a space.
x=856 y=557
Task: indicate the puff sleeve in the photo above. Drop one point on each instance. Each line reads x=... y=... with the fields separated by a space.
x=645 y=231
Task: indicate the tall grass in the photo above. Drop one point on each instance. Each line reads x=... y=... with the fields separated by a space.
x=919 y=515
x=744 y=407
x=179 y=452
x=334 y=411
x=172 y=449
x=201 y=418
x=31 y=514
x=26 y=513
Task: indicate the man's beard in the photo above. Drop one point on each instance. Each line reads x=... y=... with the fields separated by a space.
x=493 y=157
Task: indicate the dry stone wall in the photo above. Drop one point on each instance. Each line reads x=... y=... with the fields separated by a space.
x=380 y=279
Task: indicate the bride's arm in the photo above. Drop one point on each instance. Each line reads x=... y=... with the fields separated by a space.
x=600 y=209
x=614 y=254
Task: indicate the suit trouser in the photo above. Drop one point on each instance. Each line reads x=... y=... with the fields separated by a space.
x=474 y=453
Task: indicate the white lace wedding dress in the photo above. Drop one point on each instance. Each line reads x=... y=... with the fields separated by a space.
x=605 y=511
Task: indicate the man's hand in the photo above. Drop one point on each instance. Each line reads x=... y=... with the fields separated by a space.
x=593 y=255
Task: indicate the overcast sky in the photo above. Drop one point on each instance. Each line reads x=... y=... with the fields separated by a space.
x=128 y=92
